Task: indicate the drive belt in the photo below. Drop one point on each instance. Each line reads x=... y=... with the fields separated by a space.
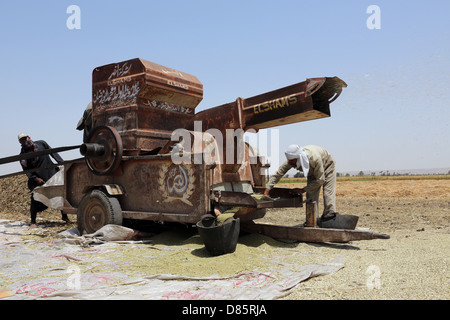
x=41 y=168
x=31 y=155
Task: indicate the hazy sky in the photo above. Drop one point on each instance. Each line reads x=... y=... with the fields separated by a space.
x=393 y=115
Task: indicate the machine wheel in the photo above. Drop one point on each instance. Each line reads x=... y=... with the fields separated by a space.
x=111 y=156
x=96 y=210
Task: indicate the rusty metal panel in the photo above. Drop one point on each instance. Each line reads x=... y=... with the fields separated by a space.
x=143 y=100
x=303 y=101
x=171 y=86
x=161 y=186
x=151 y=186
x=222 y=117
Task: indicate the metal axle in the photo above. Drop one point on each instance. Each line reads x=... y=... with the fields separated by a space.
x=92 y=150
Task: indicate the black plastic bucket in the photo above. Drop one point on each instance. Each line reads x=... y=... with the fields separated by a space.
x=219 y=239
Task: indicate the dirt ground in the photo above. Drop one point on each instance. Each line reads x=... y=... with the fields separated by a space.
x=412 y=264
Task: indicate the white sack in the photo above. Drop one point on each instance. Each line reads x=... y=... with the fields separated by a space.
x=52 y=192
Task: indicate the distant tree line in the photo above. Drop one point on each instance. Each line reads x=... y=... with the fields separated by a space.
x=300 y=174
x=380 y=173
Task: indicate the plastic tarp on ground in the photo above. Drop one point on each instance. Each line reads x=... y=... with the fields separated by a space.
x=121 y=263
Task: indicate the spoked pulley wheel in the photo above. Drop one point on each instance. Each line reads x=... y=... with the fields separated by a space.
x=103 y=150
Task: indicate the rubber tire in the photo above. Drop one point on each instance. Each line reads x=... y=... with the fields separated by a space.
x=96 y=210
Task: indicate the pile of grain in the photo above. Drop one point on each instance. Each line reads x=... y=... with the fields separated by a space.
x=15 y=206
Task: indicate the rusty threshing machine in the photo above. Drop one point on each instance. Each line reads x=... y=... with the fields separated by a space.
x=149 y=156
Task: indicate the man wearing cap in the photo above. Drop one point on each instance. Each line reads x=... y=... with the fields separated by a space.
x=319 y=169
x=38 y=177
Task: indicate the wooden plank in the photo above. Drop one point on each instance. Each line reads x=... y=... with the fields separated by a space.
x=311 y=214
x=305 y=234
